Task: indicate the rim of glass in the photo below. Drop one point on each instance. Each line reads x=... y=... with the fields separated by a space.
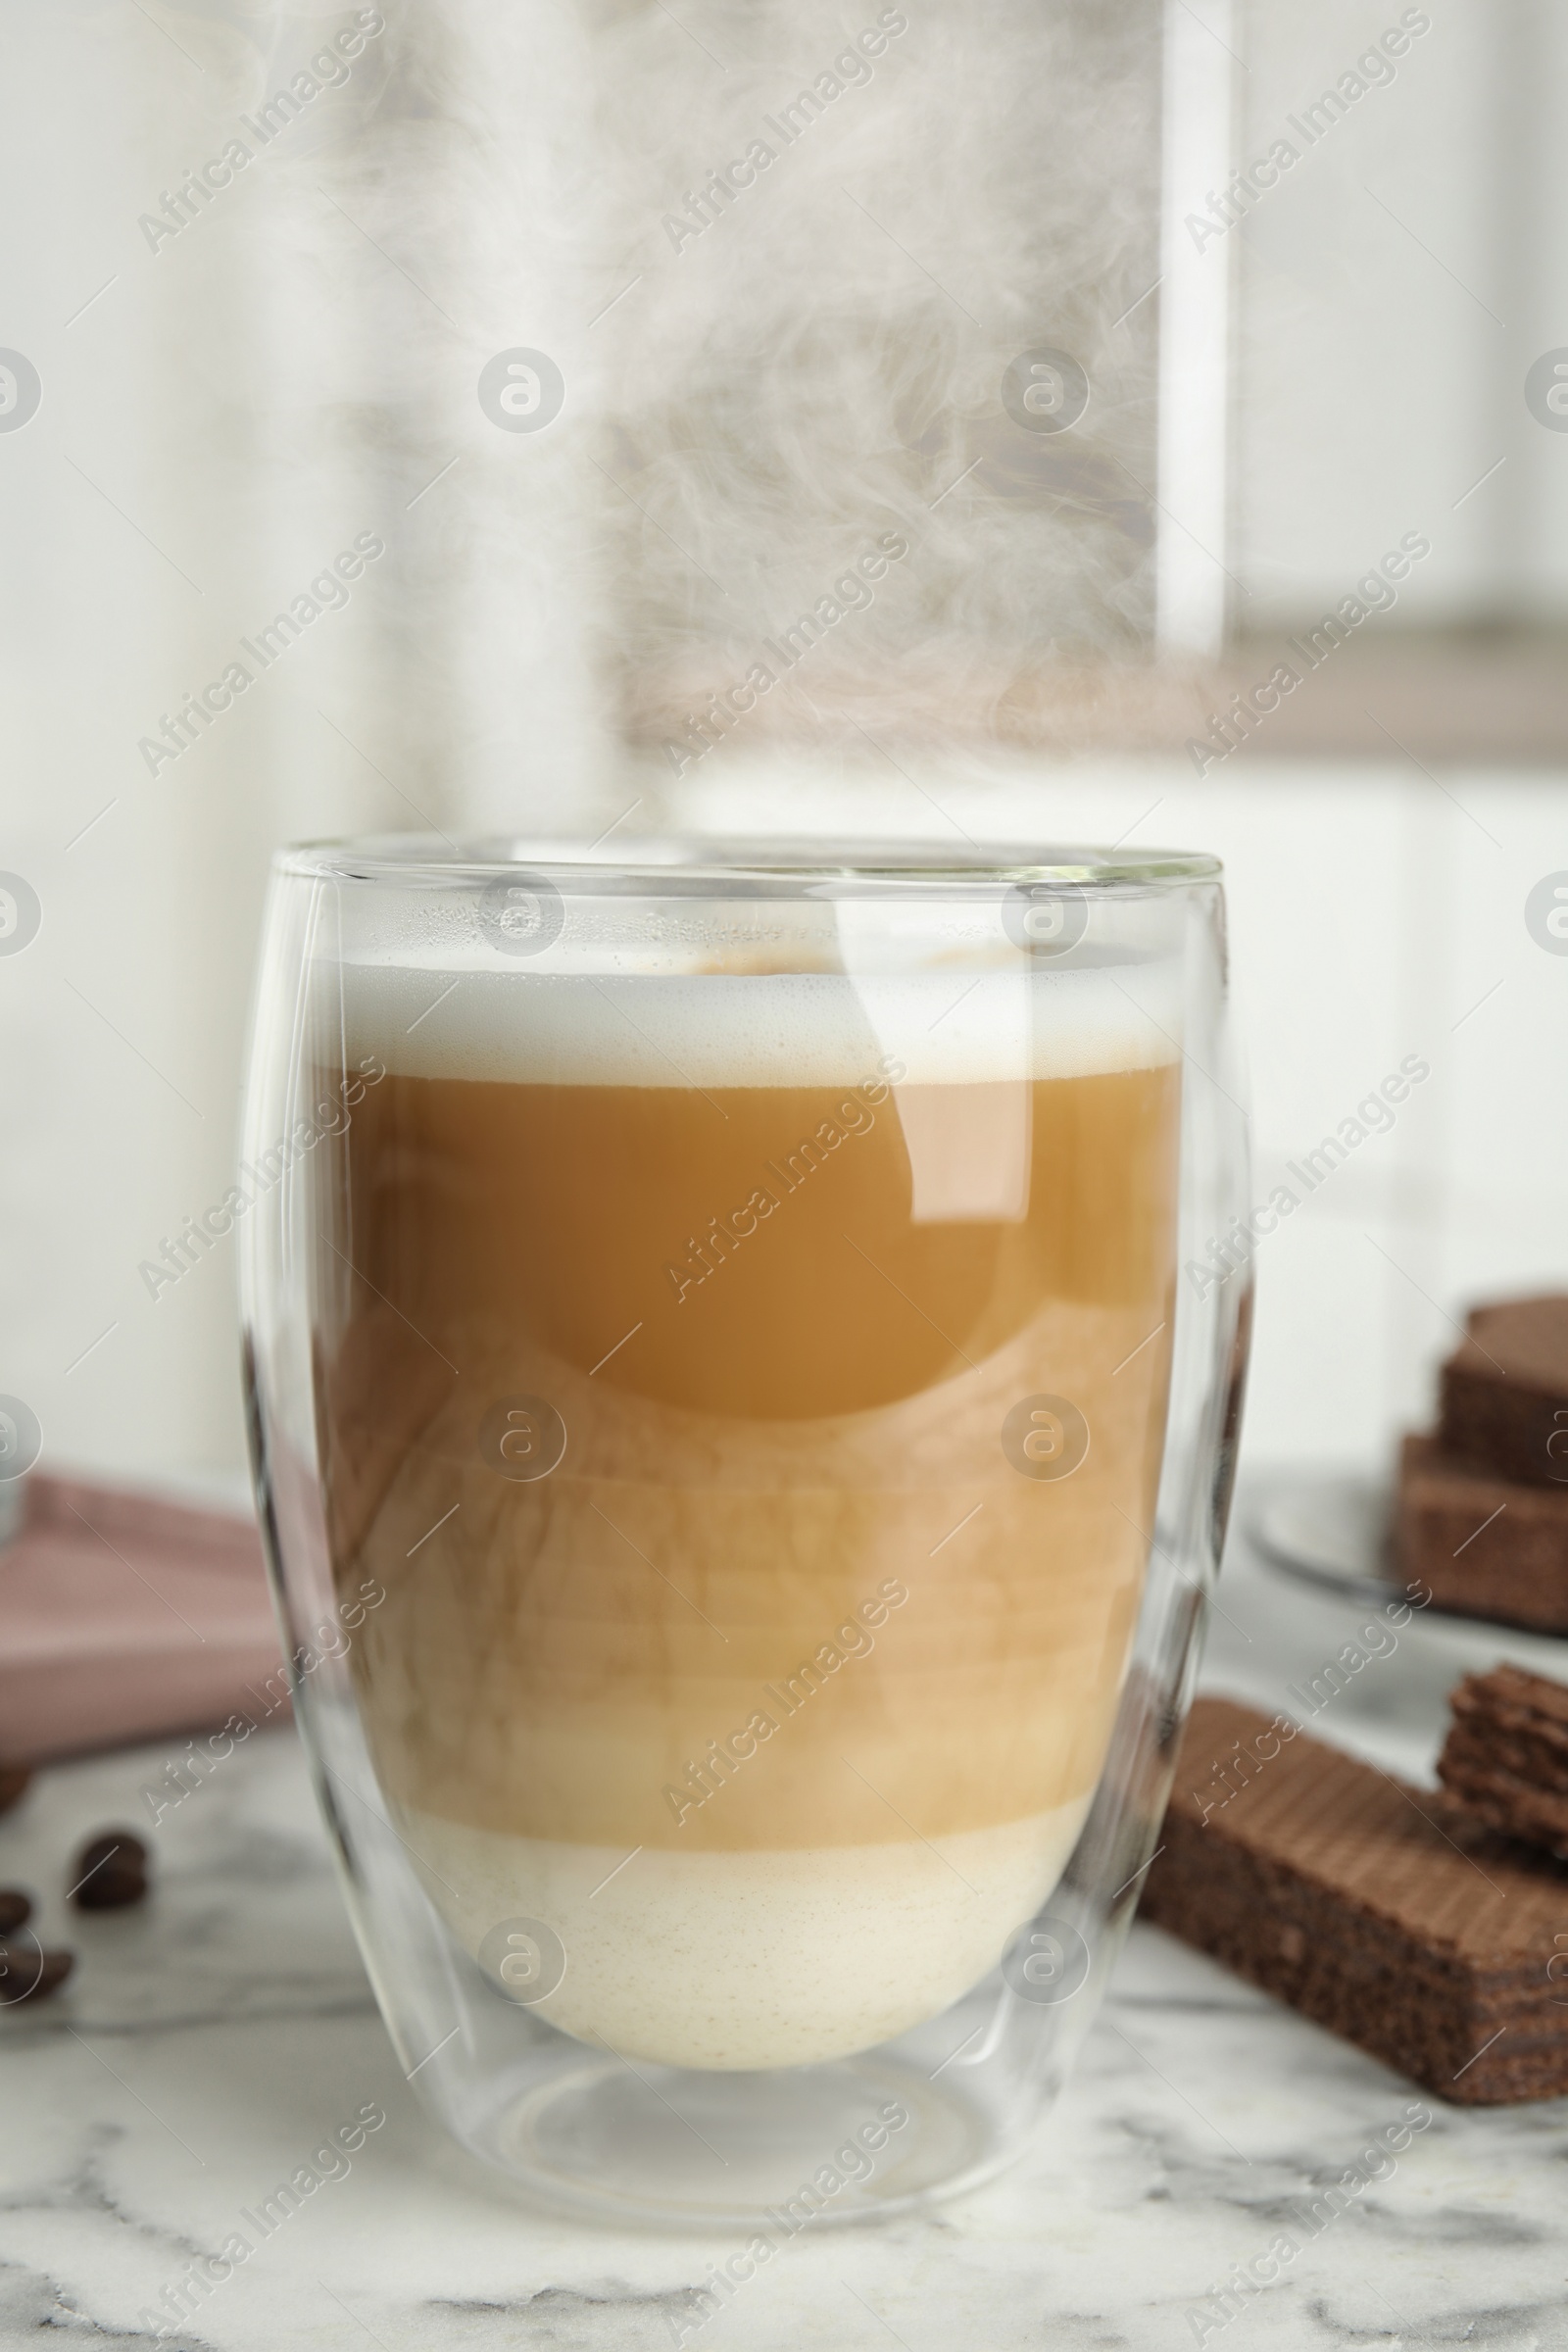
x=668 y=861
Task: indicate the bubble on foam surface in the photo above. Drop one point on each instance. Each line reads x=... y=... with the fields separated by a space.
x=944 y=1026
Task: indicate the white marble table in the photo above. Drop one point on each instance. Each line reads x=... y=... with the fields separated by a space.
x=210 y=2040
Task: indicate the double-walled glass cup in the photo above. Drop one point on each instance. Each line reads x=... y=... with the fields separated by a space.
x=741 y=1466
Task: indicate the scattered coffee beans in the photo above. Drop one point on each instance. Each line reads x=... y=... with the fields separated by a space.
x=30 y=1973
x=109 y=1871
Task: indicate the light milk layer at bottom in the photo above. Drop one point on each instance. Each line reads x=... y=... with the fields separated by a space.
x=758 y=1958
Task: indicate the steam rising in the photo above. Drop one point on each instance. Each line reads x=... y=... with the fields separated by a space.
x=764 y=374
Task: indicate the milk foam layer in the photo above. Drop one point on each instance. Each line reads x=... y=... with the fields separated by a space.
x=946 y=1026
x=751 y=1959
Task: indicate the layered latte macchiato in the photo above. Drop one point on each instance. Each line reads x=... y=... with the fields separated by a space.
x=749 y=1390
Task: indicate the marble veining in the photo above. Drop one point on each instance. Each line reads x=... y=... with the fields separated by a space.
x=209 y=2042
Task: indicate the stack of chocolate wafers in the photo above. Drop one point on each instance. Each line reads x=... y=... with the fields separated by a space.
x=1483 y=1510
x=1429 y=1927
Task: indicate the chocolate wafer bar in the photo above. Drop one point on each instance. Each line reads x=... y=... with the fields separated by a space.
x=1504 y=1390
x=1483 y=1545
x=1506 y=1755
x=1378 y=1910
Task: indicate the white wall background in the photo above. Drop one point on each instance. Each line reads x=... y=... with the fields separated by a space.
x=1395 y=287
x=1377 y=912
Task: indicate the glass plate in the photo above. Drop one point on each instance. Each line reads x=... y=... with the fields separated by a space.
x=1332 y=1528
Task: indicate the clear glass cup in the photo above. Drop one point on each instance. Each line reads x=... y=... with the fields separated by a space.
x=741 y=1464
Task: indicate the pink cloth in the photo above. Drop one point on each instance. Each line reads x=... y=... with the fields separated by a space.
x=125 y=1617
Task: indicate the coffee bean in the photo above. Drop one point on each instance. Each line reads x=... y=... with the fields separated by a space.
x=110 y=1872
x=13 y=1778
x=30 y=1973
x=15 y=1909
x=57 y=1967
